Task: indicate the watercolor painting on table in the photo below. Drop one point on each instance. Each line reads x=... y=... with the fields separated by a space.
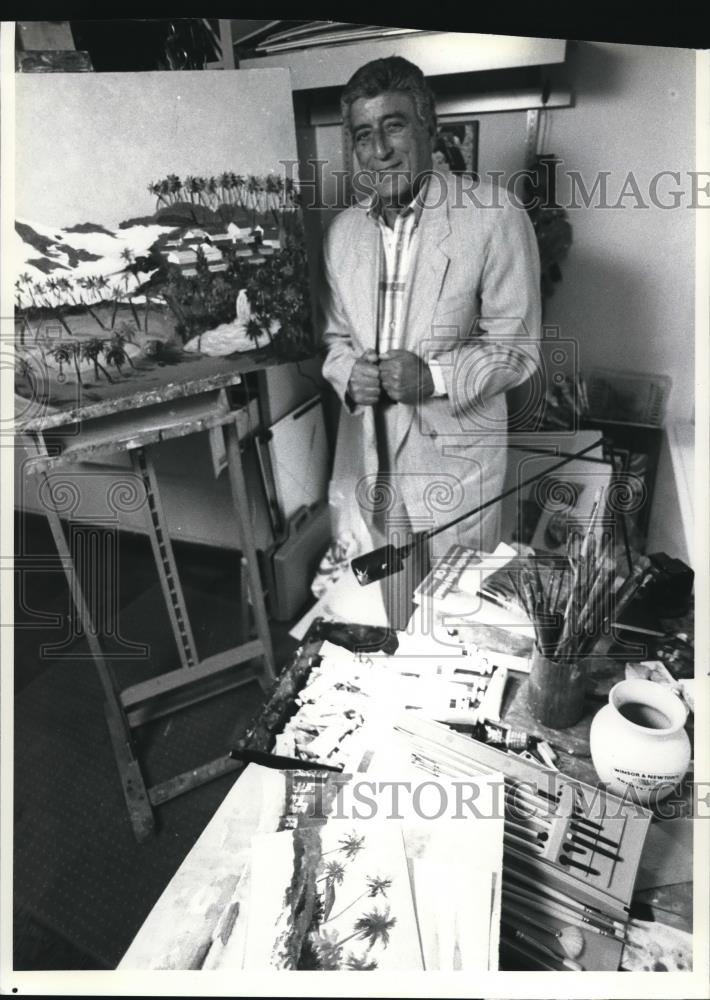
x=332 y=898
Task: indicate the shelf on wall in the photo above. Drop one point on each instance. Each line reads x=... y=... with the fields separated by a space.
x=452 y=52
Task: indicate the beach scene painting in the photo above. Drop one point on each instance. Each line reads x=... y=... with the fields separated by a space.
x=332 y=898
x=189 y=246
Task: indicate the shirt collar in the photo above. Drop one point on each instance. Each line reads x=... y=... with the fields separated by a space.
x=415 y=207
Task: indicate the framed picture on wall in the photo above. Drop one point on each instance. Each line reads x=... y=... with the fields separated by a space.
x=456 y=146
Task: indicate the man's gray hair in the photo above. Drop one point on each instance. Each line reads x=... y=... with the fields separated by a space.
x=385 y=75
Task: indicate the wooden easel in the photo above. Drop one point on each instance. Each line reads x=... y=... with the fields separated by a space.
x=134 y=423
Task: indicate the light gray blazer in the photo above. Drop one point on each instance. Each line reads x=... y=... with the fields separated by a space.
x=473 y=305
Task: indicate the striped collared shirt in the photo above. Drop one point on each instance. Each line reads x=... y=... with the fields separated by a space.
x=399 y=246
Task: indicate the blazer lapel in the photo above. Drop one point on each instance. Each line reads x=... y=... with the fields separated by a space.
x=424 y=288
x=431 y=264
x=365 y=279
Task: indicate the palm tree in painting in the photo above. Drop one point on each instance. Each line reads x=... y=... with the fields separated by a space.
x=335 y=871
x=89 y=284
x=334 y=875
x=128 y=273
x=239 y=188
x=360 y=963
x=53 y=290
x=76 y=354
x=63 y=285
x=154 y=189
x=26 y=280
x=351 y=844
x=174 y=186
x=91 y=349
x=21 y=314
x=328 y=950
x=374 y=927
x=41 y=295
x=62 y=355
x=375 y=887
x=189 y=186
x=211 y=192
x=115 y=352
x=102 y=283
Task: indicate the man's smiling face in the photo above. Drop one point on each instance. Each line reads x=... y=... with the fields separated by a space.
x=391 y=144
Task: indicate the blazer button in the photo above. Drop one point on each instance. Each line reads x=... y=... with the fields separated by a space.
x=433 y=434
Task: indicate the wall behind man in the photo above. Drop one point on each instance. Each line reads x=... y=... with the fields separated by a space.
x=627 y=293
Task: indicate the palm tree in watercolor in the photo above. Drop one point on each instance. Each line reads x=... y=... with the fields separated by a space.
x=334 y=875
x=360 y=963
x=373 y=927
x=351 y=844
x=375 y=887
x=328 y=949
x=335 y=871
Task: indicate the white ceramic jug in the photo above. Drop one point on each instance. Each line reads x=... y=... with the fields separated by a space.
x=638 y=741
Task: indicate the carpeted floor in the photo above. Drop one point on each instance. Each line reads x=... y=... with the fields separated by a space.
x=82 y=884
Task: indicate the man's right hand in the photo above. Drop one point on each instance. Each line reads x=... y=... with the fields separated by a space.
x=364 y=384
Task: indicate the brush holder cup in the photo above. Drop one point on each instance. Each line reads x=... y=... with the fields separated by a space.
x=556 y=691
x=638 y=741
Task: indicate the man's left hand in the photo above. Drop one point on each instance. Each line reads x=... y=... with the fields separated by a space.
x=405 y=377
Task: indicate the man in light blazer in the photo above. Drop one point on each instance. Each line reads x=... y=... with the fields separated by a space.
x=431 y=312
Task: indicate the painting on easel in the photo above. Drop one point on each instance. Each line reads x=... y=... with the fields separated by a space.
x=168 y=227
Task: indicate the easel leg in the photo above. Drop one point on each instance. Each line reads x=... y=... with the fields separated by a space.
x=134 y=789
x=241 y=509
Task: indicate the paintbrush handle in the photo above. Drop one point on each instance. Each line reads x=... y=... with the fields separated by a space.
x=562 y=911
x=568 y=862
x=575 y=824
x=556 y=897
x=594 y=848
x=522 y=842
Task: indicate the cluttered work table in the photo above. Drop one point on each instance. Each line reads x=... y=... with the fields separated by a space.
x=549 y=870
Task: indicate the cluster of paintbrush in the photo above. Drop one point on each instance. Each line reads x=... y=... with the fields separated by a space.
x=570 y=603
